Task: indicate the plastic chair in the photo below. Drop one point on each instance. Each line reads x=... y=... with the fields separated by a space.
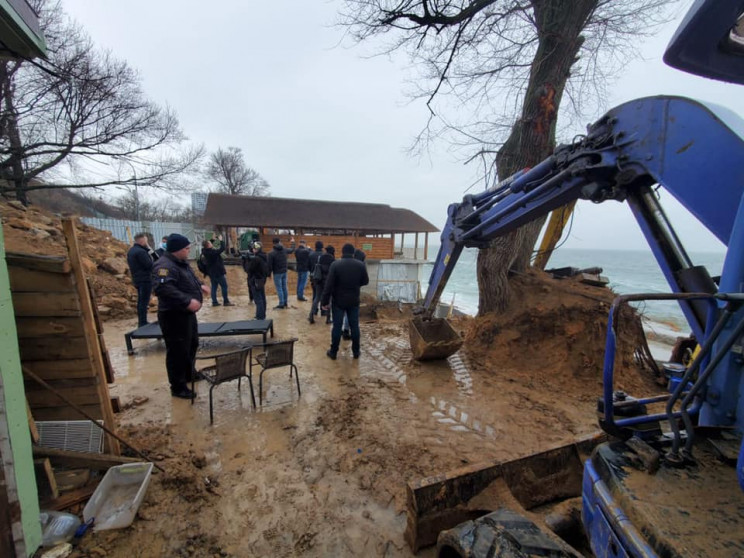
x=226 y=367
x=276 y=354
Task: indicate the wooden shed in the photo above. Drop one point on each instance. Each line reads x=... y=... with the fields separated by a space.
x=371 y=227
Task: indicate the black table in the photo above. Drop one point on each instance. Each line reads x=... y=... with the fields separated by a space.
x=207 y=329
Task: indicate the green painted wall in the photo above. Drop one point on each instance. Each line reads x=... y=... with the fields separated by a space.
x=15 y=404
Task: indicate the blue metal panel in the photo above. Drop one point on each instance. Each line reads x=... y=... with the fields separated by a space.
x=688 y=149
x=699 y=45
x=725 y=400
x=611 y=533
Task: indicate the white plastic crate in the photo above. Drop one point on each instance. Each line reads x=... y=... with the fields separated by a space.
x=117 y=499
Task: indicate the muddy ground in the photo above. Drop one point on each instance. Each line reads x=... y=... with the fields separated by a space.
x=324 y=473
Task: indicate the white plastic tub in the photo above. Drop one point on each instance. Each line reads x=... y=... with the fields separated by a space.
x=117 y=499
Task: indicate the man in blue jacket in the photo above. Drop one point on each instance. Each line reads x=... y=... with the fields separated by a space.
x=180 y=295
x=140 y=262
x=278 y=268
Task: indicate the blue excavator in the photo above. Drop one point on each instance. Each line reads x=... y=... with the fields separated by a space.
x=666 y=475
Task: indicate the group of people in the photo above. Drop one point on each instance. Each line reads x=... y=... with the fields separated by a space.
x=336 y=286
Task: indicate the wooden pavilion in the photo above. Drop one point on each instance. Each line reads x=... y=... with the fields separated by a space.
x=371 y=227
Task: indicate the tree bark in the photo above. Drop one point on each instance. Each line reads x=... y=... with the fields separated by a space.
x=559 y=24
x=9 y=128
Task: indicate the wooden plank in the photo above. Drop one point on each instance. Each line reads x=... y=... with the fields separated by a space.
x=68 y=383
x=7 y=546
x=96 y=316
x=69 y=499
x=71 y=479
x=61 y=369
x=75 y=459
x=107 y=367
x=30 y=280
x=54 y=264
x=32 y=425
x=53 y=348
x=45 y=481
x=94 y=350
x=39 y=399
x=66 y=413
x=45 y=304
x=46 y=327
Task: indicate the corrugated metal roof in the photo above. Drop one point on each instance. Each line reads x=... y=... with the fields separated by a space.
x=290 y=213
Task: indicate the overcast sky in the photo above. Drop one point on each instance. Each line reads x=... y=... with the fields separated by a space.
x=319 y=119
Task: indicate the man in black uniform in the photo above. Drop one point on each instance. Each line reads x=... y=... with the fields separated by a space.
x=140 y=258
x=345 y=279
x=180 y=296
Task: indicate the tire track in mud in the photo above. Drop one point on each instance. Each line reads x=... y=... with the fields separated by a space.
x=394 y=356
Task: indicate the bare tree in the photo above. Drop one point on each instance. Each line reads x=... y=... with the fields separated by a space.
x=152 y=208
x=494 y=73
x=227 y=168
x=85 y=108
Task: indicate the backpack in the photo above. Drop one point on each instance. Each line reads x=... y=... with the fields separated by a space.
x=201 y=264
x=317 y=273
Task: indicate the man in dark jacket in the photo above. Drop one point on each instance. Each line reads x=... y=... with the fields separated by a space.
x=345 y=331
x=278 y=268
x=258 y=270
x=313 y=259
x=345 y=279
x=140 y=259
x=216 y=269
x=302 y=255
x=180 y=296
x=325 y=261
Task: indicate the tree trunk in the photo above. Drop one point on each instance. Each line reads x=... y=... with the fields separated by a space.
x=559 y=25
x=13 y=173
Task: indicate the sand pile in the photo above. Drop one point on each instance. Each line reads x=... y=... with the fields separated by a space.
x=557 y=328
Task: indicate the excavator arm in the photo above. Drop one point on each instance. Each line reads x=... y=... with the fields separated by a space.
x=694 y=151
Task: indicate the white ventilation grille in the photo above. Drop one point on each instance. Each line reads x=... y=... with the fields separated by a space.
x=72 y=435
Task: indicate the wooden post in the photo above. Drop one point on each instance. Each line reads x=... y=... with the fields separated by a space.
x=415 y=249
x=426 y=246
x=89 y=329
x=402 y=242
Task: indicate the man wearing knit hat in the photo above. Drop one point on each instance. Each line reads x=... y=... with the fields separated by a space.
x=180 y=296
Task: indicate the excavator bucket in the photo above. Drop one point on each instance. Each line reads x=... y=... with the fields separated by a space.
x=433 y=338
x=442 y=502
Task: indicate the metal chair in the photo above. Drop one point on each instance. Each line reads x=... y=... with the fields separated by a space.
x=276 y=354
x=226 y=367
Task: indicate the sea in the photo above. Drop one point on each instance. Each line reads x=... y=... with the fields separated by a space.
x=628 y=271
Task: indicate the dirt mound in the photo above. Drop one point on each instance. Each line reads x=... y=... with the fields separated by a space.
x=557 y=328
x=34 y=230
